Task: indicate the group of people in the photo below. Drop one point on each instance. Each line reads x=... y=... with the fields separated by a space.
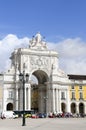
x=2 y=116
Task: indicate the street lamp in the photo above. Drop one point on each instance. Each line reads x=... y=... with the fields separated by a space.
x=24 y=79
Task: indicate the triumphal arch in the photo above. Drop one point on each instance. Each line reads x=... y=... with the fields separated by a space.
x=48 y=84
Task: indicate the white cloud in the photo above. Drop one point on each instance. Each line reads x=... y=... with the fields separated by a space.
x=72 y=52
x=72 y=55
x=7 y=46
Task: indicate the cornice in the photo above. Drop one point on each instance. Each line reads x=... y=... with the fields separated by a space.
x=39 y=52
x=65 y=83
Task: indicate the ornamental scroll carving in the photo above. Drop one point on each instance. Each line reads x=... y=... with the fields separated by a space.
x=40 y=61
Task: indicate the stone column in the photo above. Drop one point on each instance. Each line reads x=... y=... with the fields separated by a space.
x=49 y=109
x=29 y=97
x=56 y=101
x=16 y=100
x=85 y=108
x=47 y=93
x=77 y=108
x=49 y=100
x=26 y=96
x=41 y=100
x=4 y=98
x=21 y=99
x=68 y=100
x=59 y=100
x=53 y=95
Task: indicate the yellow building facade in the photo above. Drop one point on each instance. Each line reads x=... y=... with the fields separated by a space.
x=77 y=92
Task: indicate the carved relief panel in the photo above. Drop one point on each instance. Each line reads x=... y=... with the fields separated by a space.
x=39 y=62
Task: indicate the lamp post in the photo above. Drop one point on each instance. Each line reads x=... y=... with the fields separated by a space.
x=23 y=78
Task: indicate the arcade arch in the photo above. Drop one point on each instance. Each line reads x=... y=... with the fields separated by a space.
x=81 y=108
x=9 y=107
x=63 y=107
x=73 y=108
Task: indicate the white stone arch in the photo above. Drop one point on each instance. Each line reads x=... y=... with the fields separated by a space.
x=39 y=90
x=36 y=58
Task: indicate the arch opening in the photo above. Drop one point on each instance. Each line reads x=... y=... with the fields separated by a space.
x=39 y=91
x=81 y=108
x=73 y=108
x=9 y=107
x=63 y=107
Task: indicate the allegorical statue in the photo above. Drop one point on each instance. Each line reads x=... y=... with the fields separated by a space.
x=38 y=37
x=37 y=41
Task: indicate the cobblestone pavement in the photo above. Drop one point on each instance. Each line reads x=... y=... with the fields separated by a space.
x=44 y=124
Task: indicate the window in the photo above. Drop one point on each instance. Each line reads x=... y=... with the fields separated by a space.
x=80 y=87
x=72 y=87
x=62 y=95
x=73 y=95
x=10 y=94
x=81 y=95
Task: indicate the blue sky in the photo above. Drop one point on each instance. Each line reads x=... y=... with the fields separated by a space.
x=53 y=18
x=62 y=22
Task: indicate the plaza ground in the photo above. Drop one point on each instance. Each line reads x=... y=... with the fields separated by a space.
x=44 y=124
